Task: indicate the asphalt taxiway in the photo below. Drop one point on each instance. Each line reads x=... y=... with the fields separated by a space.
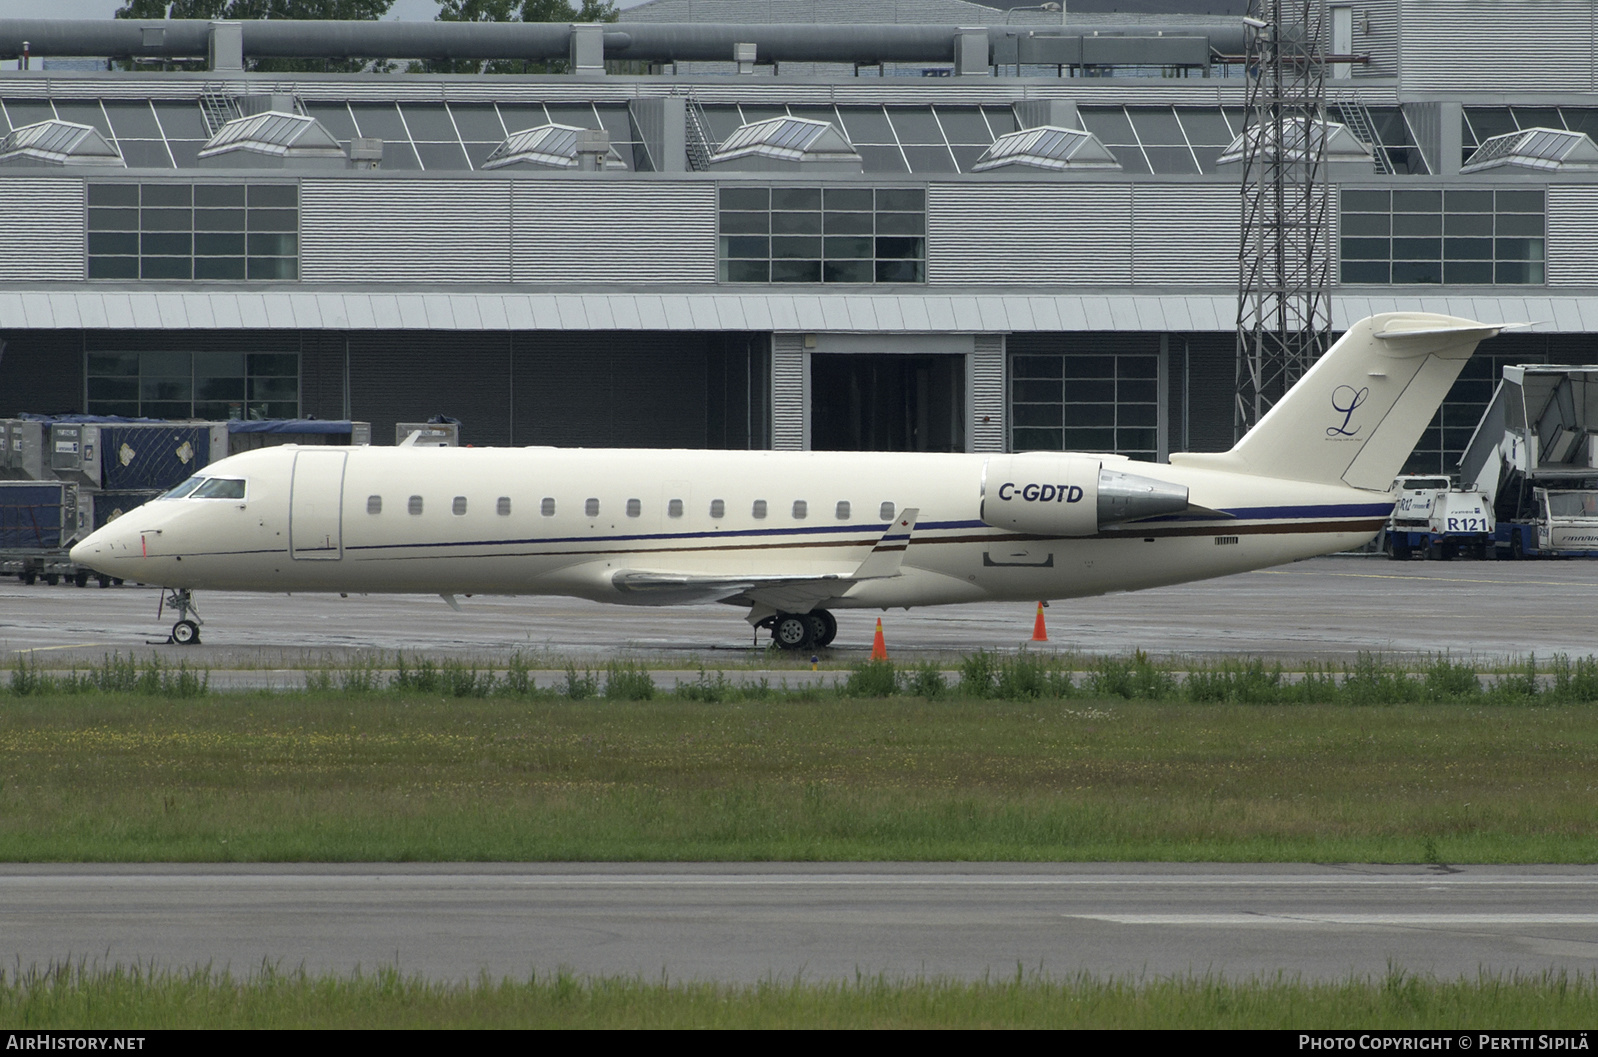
x=744 y=923
x=1325 y=609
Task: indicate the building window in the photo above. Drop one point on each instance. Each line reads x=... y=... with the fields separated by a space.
x=1098 y=403
x=209 y=385
x=1474 y=238
x=194 y=231
x=823 y=235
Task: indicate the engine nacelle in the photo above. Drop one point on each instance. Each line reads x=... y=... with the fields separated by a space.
x=1070 y=495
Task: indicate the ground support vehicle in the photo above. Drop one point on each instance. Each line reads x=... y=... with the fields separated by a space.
x=1433 y=519
x=1535 y=456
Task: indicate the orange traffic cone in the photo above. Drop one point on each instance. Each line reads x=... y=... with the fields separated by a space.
x=1039 y=632
x=879 y=649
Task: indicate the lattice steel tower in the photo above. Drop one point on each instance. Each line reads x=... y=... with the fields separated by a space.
x=1283 y=315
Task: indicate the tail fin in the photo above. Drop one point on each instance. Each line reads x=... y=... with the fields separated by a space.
x=1356 y=414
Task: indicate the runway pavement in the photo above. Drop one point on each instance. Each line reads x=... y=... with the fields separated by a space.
x=1325 y=608
x=815 y=921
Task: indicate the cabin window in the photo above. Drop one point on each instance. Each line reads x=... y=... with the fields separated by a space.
x=843 y=510
x=460 y=505
x=374 y=504
x=591 y=508
x=415 y=505
x=718 y=509
x=674 y=508
x=503 y=506
x=801 y=509
x=634 y=508
x=759 y=510
x=886 y=513
x=220 y=488
x=547 y=507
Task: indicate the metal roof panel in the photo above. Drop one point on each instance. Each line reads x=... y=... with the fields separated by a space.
x=410 y=314
x=651 y=312
x=703 y=312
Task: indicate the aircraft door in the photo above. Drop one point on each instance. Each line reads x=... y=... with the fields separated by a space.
x=316 y=506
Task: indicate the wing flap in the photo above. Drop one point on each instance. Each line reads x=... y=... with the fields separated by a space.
x=792 y=593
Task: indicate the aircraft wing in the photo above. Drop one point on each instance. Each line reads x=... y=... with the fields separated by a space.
x=765 y=593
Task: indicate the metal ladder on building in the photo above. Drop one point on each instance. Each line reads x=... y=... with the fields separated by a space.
x=219 y=106
x=699 y=142
x=1357 y=117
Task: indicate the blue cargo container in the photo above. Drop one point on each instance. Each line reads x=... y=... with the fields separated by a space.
x=108 y=506
x=141 y=458
x=32 y=514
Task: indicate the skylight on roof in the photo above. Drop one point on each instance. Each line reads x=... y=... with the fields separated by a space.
x=785 y=138
x=58 y=143
x=1047 y=147
x=1547 y=149
x=273 y=132
x=554 y=146
x=1337 y=143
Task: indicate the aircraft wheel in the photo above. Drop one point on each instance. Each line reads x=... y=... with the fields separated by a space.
x=186 y=633
x=823 y=627
x=105 y=581
x=791 y=631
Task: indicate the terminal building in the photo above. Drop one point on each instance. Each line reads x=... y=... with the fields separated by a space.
x=944 y=228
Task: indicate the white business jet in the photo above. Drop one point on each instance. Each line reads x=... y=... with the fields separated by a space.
x=791 y=536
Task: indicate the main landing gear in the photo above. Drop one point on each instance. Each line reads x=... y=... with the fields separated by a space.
x=802 y=631
x=186 y=632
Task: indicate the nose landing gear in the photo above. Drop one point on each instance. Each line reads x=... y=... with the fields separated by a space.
x=186 y=632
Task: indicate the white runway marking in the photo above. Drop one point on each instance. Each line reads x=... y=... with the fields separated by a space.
x=1291 y=921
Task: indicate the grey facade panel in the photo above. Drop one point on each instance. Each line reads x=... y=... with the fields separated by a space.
x=44 y=229
x=1183 y=234
x=1572 y=235
x=1376 y=35
x=1032 y=234
x=988 y=403
x=1465 y=45
x=395 y=231
x=611 y=232
x=789 y=398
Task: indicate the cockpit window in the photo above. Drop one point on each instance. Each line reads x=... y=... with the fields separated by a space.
x=220 y=488
x=185 y=488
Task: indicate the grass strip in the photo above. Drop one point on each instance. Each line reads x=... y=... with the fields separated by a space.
x=342 y=776
x=131 y=999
